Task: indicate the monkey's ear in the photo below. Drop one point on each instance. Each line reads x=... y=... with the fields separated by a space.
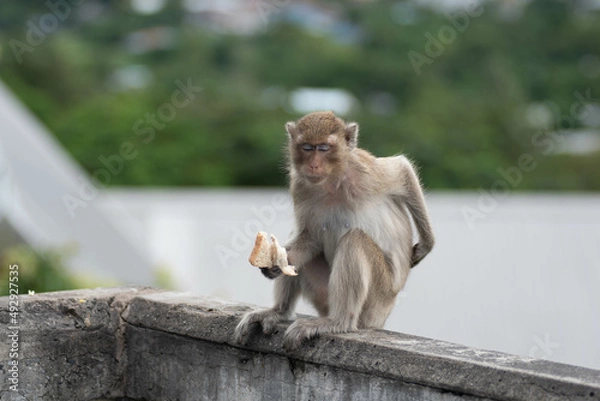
x=351 y=132
x=290 y=127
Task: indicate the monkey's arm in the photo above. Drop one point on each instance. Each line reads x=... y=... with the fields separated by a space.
x=301 y=249
x=407 y=191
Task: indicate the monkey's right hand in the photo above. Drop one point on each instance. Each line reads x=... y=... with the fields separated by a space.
x=271 y=272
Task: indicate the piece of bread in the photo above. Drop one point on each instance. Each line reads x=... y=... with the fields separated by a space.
x=261 y=253
x=279 y=258
x=267 y=254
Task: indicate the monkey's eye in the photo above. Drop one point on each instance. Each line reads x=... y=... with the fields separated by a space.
x=322 y=147
x=308 y=147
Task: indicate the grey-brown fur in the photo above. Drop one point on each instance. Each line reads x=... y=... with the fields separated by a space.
x=353 y=241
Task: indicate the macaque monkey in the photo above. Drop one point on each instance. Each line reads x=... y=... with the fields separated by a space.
x=353 y=241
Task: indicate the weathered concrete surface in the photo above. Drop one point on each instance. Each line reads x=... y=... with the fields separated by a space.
x=147 y=345
x=70 y=345
x=165 y=366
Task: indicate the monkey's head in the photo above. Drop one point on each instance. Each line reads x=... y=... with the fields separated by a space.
x=320 y=145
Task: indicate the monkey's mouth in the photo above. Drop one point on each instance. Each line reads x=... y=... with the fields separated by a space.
x=314 y=179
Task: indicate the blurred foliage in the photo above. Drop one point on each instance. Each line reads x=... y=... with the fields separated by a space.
x=40 y=271
x=44 y=270
x=461 y=119
x=163 y=278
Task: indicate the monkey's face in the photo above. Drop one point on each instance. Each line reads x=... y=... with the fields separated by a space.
x=318 y=146
x=316 y=161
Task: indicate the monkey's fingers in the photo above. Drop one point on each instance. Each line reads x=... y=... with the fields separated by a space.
x=271 y=272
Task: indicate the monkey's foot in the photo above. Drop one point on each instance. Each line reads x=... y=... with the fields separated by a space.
x=268 y=319
x=305 y=329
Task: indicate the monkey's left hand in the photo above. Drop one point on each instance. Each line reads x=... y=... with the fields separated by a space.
x=418 y=253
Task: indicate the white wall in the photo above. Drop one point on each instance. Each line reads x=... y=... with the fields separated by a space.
x=523 y=279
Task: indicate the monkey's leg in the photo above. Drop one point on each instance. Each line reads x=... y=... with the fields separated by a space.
x=287 y=291
x=314 y=280
x=356 y=258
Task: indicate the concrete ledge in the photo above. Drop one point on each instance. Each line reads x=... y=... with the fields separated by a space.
x=408 y=359
x=151 y=345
